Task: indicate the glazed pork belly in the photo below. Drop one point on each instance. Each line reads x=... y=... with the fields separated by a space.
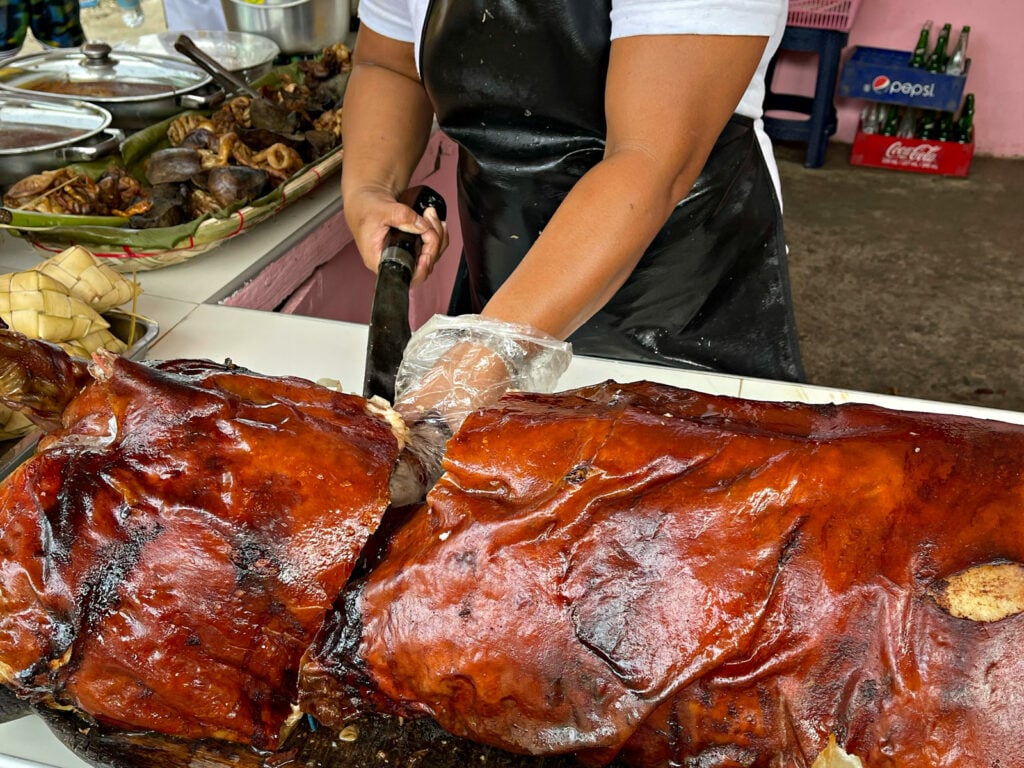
x=661 y=577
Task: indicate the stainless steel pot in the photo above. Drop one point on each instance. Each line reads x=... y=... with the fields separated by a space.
x=137 y=89
x=297 y=26
x=45 y=134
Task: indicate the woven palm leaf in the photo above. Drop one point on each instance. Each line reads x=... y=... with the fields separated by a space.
x=101 y=338
x=88 y=279
x=41 y=308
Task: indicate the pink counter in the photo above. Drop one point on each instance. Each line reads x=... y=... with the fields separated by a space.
x=323 y=276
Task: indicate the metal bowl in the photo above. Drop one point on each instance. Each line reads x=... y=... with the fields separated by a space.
x=297 y=26
x=246 y=54
x=39 y=134
x=137 y=89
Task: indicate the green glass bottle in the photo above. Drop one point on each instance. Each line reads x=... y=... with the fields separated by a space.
x=947 y=127
x=937 y=61
x=892 y=121
x=928 y=125
x=920 y=54
x=965 y=125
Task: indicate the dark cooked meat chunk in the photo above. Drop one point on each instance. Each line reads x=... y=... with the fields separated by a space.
x=37 y=378
x=168 y=554
x=679 y=579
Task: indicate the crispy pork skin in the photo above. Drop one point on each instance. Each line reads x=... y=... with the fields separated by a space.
x=679 y=579
x=168 y=554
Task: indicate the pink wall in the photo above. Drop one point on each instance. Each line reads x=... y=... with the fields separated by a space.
x=996 y=76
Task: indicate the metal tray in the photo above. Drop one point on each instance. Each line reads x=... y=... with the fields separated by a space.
x=14 y=452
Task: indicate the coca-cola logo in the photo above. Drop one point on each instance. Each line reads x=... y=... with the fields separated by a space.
x=917 y=155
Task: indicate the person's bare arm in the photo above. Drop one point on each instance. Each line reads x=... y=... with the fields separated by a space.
x=385 y=126
x=667 y=99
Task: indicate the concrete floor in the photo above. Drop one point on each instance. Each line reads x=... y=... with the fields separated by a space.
x=909 y=284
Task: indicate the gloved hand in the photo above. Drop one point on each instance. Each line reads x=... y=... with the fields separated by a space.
x=454 y=365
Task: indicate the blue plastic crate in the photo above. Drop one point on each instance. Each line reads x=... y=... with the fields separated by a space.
x=882 y=74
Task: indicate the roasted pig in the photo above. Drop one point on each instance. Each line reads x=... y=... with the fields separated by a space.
x=169 y=552
x=630 y=573
x=666 y=578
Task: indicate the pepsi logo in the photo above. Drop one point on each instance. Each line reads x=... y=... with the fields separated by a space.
x=880 y=83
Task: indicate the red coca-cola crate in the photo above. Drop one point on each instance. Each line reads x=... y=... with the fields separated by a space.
x=941 y=158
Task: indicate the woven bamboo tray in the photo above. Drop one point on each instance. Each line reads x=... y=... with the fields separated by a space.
x=138 y=250
x=128 y=250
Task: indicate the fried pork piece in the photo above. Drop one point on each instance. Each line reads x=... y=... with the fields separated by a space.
x=279 y=161
x=168 y=554
x=330 y=122
x=66 y=191
x=679 y=579
x=119 y=191
x=335 y=59
x=60 y=191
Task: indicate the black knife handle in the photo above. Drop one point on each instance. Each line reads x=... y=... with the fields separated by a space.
x=389 y=318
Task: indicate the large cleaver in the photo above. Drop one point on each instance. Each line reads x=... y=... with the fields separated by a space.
x=389 y=318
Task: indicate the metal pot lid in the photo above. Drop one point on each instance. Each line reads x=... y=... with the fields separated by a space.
x=96 y=73
x=34 y=124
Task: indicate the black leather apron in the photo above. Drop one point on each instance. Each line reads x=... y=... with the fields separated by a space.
x=519 y=85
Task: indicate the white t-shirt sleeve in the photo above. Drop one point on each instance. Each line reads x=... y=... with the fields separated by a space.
x=391 y=18
x=696 y=17
x=714 y=17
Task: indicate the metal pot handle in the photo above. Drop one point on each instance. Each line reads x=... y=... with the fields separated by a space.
x=209 y=100
x=85 y=152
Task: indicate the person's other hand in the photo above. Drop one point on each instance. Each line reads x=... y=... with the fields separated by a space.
x=371 y=213
x=466 y=377
x=455 y=365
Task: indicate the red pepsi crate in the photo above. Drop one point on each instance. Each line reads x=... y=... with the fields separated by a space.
x=883 y=74
x=940 y=158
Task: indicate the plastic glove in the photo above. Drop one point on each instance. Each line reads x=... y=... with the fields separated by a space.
x=454 y=365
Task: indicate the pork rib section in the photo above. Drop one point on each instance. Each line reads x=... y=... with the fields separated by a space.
x=168 y=554
x=674 y=578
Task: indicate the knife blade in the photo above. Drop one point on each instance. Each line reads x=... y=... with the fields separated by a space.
x=389 y=316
